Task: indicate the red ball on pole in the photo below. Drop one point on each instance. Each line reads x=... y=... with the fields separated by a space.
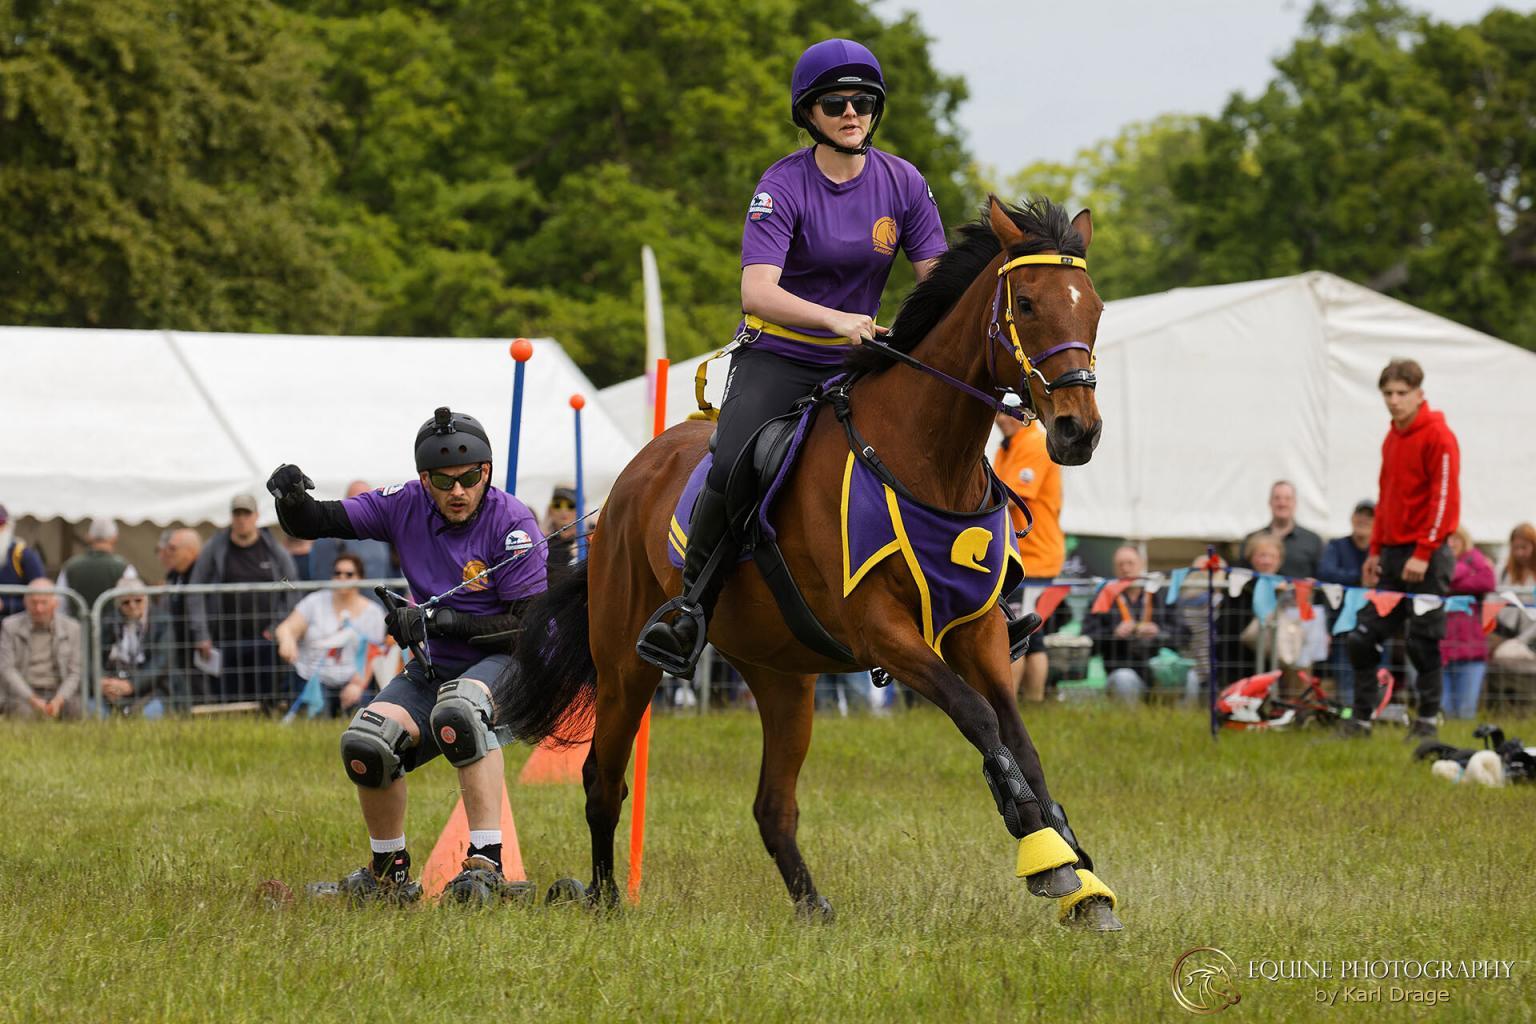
x=577 y=402
x=522 y=350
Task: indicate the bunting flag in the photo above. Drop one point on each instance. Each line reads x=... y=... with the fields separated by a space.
x=1423 y=604
x=1154 y=583
x=1264 y=588
x=1384 y=601
x=1107 y=594
x=1304 y=599
x=1333 y=593
x=1354 y=600
x=1050 y=599
x=1176 y=585
x=1461 y=603
x=1237 y=579
x=1491 y=608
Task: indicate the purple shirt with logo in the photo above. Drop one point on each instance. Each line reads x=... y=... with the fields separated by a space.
x=836 y=242
x=435 y=557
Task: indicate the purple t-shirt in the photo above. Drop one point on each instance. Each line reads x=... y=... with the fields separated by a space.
x=435 y=557
x=836 y=242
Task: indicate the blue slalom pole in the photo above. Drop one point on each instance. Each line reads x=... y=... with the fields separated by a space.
x=581 y=492
x=522 y=351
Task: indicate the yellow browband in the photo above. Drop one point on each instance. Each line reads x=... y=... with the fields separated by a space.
x=1051 y=260
x=1042 y=260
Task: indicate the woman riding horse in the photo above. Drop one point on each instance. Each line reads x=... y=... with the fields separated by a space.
x=820 y=238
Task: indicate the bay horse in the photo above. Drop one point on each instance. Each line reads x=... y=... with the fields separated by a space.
x=988 y=325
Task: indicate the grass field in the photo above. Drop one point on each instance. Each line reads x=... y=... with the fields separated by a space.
x=131 y=855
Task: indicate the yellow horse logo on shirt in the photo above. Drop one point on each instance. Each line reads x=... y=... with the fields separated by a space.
x=885 y=235
x=473 y=568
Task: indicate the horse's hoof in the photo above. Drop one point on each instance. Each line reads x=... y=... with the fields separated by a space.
x=1094 y=914
x=1059 y=881
x=815 y=909
x=603 y=895
x=565 y=891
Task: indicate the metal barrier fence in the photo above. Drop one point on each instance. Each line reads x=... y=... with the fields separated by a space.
x=207 y=649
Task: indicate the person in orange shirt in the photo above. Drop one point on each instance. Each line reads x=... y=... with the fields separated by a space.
x=1021 y=462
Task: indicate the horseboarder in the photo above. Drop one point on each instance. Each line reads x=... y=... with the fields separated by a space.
x=821 y=234
x=449 y=526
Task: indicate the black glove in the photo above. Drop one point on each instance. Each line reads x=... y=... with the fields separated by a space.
x=407 y=624
x=288 y=480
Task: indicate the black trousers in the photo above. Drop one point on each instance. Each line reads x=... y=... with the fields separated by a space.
x=760 y=386
x=1424 y=631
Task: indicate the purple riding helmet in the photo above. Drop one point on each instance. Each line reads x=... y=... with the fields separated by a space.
x=830 y=65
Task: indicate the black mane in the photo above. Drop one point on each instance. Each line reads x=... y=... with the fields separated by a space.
x=1046 y=227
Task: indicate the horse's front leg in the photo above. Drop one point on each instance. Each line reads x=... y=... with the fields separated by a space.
x=979 y=652
x=1045 y=860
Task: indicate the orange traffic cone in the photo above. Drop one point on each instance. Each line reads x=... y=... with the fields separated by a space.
x=453 y=846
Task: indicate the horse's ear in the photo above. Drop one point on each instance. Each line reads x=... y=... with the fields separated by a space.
x=1083 y=222
x=1003 y=227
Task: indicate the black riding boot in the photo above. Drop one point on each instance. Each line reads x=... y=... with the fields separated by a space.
x=674 y=646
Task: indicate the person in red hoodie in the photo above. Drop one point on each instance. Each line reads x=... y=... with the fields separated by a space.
x=1418 y=509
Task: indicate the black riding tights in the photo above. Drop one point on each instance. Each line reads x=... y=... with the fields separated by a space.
x=760 y=386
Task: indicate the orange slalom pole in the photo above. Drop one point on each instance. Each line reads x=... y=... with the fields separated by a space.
x=643 y=737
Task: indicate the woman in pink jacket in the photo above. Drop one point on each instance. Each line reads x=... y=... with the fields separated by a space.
x=1464 y=650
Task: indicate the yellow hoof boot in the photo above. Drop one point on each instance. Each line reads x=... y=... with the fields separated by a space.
x=1073 y=906
x=1042 y=850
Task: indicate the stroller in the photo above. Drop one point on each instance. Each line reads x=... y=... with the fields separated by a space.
x=1253 y=703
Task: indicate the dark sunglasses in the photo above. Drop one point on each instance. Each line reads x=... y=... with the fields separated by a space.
x=562 y=503
x=833 y=106
x=444 y=482
x=344 y=574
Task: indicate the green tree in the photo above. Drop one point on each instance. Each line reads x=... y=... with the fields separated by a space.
x=1127 y=183
x=501 y=164
x=161 y=166
x=1390 y=149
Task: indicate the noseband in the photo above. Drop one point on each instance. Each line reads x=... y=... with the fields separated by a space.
x=1002 y=313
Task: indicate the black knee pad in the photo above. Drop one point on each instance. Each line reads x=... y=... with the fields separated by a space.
x=370 y=749
x=461 y=721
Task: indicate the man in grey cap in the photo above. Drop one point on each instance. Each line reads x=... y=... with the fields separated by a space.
x=97 y=569
x=240 y=624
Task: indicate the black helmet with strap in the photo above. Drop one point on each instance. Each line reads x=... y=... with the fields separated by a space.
x=451 y=439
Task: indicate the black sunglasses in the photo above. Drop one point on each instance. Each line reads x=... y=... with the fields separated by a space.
x=344 y=574
x=562 y=503
x=833 y=105
x=444 y=482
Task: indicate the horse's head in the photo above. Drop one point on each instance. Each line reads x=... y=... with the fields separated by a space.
x=1048 y=316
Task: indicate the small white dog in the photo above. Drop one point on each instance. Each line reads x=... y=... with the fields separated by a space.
x=1485 y=766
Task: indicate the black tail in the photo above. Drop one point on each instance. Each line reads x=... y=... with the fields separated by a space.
x=549 y=689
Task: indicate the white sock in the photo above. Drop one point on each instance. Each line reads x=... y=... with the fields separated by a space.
x=485 y=837
x=386 y=845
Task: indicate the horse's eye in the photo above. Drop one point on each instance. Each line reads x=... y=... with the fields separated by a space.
x=1025 y=306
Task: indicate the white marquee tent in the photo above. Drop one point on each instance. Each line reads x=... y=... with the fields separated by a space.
x=1211 y=394
x=155 y=426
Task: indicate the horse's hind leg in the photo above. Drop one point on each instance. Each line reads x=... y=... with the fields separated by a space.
x=786 y=704
x=623 y=692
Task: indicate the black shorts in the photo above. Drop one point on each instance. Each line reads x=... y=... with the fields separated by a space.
x=412 y=691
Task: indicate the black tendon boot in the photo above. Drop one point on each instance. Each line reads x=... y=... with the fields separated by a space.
x=674 y=646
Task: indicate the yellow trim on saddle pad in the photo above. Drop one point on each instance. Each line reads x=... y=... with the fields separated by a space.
x=851 y=578
x=1091 y=887
x=759 y=324
x=678 y=539
x=1042 y=850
